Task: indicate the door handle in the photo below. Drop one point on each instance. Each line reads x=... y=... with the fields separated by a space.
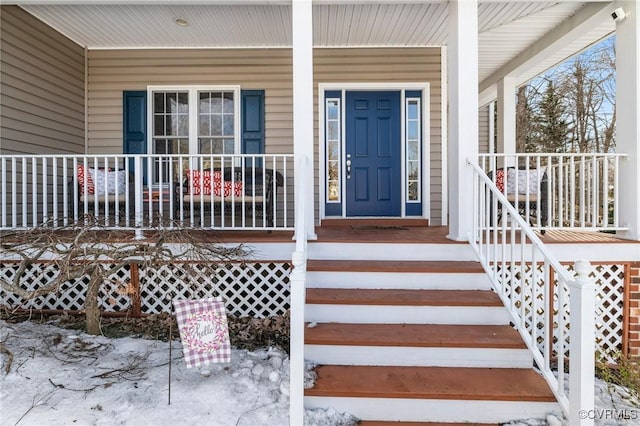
x=348 y=164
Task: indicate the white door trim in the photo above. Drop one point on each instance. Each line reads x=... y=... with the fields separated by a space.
x=426 y=137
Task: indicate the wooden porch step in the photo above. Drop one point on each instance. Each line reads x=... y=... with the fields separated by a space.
x=375 y=223
x=415 y=335
x=435 y=383
x=383 y=423
x=394 y=266
x=392 y=297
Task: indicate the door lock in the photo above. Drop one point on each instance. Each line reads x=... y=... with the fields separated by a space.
x=348 y=164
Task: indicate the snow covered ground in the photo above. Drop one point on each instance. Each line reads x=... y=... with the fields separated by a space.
x=65 y=377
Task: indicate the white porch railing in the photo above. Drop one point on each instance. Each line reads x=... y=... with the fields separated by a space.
x=509 y=244
x=144 y=191
x=298 y=280
x=560 y=191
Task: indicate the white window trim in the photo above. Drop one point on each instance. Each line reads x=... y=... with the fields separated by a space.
x=326 y=145
x=407 y=100
x=425 y=87
x=193 y=113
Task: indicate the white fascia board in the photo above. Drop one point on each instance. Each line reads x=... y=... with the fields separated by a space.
x=487 y=96
x=527 y=64
x=226 y=2
x=214 y=2
x=251 y=2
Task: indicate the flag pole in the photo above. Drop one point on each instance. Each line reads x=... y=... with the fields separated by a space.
x=170 y=345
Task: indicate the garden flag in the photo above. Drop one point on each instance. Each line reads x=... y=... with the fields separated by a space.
x=203 y=330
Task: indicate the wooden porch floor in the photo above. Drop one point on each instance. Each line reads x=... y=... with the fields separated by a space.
x=407 y=235
x=372 y=234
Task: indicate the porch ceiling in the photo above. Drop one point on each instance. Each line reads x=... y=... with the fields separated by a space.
x=507 y=28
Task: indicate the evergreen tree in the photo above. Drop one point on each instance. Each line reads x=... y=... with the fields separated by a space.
x=552 y=126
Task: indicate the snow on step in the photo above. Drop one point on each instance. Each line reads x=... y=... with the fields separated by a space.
x=432 y=393
x=384 y=423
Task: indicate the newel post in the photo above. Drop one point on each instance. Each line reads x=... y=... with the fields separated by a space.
x=582 y=293
x=297 y=280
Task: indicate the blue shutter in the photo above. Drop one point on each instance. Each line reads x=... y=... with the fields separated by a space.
x=252 y=118
x=134 y=125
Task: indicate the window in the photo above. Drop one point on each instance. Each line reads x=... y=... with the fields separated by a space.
x=192 y=120
x=216 y=122
x=413 y=149
x=170 y=123
x=334 y=142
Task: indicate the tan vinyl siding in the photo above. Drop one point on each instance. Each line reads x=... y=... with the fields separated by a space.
x=41 y=109
x=397 y=65
x=112 y=72
x=42 y=87
x=483 y=129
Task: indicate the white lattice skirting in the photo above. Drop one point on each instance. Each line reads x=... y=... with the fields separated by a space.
x=253 y=289
x=610 y=280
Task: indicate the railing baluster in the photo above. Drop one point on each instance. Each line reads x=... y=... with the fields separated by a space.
x=534 y=298
x=616 y=194
x=127 y=186
x=34 y=191
x=574 y=186
x=3 y=170
x=605 y=193
x=596 y=194
x=171 y=194
x=283 y=210
x=138 y=208
x=523 y=281
x=25 y=194
x=562 y=324
x=103 y=172
x=45 y=192
x=547 y=296
x=583 y=191
x=54 y=176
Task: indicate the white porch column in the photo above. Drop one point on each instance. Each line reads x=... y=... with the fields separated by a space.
x=506 y=118
x=463 y=113
x=628 y=116
x=302 y=32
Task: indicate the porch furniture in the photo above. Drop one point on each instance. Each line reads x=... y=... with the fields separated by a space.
x=532 y=192
x=113 y=187
x=234 y=189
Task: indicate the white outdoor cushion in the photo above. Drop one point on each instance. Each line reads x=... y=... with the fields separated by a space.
x=528 y=181
x=109 y=182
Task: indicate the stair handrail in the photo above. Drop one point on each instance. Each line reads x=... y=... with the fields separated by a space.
x=297 y=280
x=497 y=249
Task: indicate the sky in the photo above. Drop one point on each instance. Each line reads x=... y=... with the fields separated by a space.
x=66 y=377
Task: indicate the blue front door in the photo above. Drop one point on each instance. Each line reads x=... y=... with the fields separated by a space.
x=373 y=155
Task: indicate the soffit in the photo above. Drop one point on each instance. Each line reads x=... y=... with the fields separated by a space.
x=505 y=28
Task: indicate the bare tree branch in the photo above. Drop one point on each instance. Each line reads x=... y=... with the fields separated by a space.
x=85 y=250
